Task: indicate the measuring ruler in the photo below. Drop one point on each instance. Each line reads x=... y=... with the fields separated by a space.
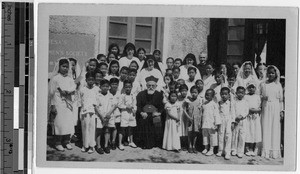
x=7 y=81
x=16 y=80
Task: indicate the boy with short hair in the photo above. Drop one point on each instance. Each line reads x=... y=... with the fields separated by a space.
x=124 y=71
x=176 y=73
x=219 y=78
x=128 y=107
x=107 y=105
x=136 y=86
x=210 y=123
x=88 y=96
x=241 y=109
x=114 y=84
x=227 y=115
x=191 y=80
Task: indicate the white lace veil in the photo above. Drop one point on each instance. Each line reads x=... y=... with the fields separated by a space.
x=241 y=71
x=277 y=80
x=51 y=86
x=56 y=68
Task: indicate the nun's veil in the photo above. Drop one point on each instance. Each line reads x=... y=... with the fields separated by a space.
x=145 y=65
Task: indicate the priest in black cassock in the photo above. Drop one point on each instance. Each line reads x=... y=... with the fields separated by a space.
x=148 y=116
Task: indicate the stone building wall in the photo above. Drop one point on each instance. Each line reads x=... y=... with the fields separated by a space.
x=187 y=35
x=73 y=36
x=79 y=37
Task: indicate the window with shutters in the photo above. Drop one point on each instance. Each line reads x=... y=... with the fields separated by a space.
x=235 y=42
x=144 y=32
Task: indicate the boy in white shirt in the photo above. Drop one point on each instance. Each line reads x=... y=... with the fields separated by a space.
x=107 y=105
x=239 y=134
x=210 y=123
x=227 y=115
x=88 y=95
x=114 y=84
x=128 y=107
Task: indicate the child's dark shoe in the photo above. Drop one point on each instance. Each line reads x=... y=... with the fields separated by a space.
x=113 y=146
x=100 y=151
x=177 y=150
x=190 y=150
x=74 y=138
x=106 y=150
x=195 y=151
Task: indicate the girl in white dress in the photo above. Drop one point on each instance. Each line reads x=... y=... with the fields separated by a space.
x=272 y=106
x=171 y=139
x=195 y=116
x=253 y=121
x=183 y=129
x=61 y=92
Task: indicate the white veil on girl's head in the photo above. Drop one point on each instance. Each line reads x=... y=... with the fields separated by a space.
x=56 y=68
x=241 y=71
x=277 y=80
x=51 y=86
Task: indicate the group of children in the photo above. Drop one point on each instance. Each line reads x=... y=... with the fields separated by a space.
x=226 y=108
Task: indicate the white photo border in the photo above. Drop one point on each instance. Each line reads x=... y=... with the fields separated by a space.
x=288 y=13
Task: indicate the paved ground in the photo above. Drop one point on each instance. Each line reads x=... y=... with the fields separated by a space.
x=155 y=155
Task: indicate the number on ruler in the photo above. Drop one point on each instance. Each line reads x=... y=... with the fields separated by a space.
x=7 y=91
x=10 y=149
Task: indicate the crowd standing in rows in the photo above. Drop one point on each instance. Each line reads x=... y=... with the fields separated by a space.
x=136 y=100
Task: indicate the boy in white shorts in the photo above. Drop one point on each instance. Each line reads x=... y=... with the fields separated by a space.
x=127 y=106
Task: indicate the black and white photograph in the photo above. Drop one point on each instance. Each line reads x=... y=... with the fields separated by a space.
x=127 y=85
